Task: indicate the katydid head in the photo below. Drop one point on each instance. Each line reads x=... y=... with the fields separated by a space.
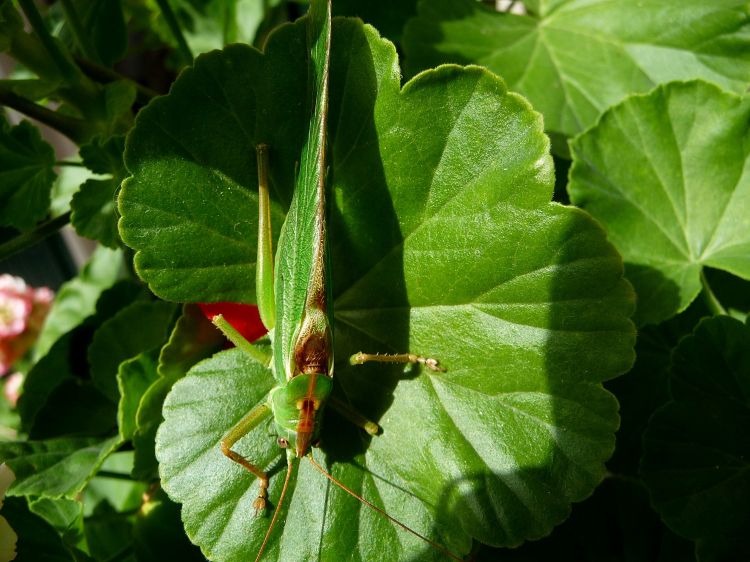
x=297 y=407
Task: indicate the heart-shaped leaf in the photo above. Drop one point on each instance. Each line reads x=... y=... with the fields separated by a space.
x=443 y=242
x=671 y=186
x=574 y=58
x=696 y=448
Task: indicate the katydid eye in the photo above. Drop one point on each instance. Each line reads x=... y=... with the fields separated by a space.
x=283 y=443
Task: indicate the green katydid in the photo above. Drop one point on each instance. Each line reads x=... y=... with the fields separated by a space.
x=296 y=310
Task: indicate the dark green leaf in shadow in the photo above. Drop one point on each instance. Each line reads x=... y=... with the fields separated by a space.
x=616 y=524
x=104 y=156
x=77 y=298
x=574 y=59
x=95 y=211
x=94 y=204
x=133 y=379
x=671 y=186
x=148 y=419
x=646 y=386
x=26 y=175
x=138 y=327
x=158 y=534
x=697 y=448
x=193 y=338
x=108 y=532
x=387 y=16
x=104 y=24
x=65 y=515
x=54 y=468
x=37 y=539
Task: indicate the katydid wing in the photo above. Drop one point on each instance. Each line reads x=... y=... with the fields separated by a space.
x=293 y=303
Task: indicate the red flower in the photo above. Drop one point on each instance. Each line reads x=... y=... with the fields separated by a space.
x=243 y=317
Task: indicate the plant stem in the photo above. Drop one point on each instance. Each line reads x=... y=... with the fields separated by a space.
x=70 y=163
x=174 y=28
x=73 y=128
x=106 y=75
x=712 y=302
x=32 y=237
x=76 y=26
x=115 y=475
x=63 y=64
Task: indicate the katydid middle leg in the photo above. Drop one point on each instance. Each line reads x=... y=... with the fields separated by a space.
x=429 y=362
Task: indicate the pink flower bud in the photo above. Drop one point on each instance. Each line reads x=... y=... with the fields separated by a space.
x=22 y=313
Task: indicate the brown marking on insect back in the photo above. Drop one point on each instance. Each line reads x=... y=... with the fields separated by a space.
x=311 y=354
x=308 y=407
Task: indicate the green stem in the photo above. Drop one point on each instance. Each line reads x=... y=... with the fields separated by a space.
x=115 y=475
x=28 y=239
x=709 y=297
x=64 y=65
x=106 y=75
x=76 y=26
x=70 y=163
x=174 y=28
x=75 y=129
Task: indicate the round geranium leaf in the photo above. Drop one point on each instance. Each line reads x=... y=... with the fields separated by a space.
x=444 y=243
x=671 y=186
x=574 y=59
x=696 y=448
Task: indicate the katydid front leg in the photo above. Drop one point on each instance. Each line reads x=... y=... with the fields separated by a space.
x=250 y=421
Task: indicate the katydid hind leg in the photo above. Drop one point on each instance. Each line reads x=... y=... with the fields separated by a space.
x=264 y=290
x=250 y=421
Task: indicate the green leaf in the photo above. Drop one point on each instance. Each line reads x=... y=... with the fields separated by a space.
x=148 y=419
x=158 y=534
x=37 y=539
x=49 y=373
x=10 y=24
x=615 y=524
x=646 y=386
x=387 y=16
x=575 y=58
x=104 y=156
x=54 y=468
x=108 y=533
x=26 y=175
x=671 y=186
x=138 y=327
x=212 y=24
x=64 y=514
x=133 y=379
x=192 y=204
x=94 y=205
x=443 y=242
x=696 y=448
x=104 y=23
x=112 y=485
x=77 y=298
x=95 y=211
